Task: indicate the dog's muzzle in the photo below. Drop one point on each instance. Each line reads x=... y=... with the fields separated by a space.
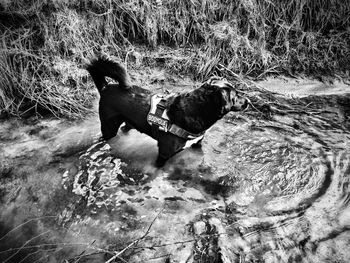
x=240 y=104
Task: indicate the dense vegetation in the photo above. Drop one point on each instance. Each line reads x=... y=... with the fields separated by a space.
x=44 y=44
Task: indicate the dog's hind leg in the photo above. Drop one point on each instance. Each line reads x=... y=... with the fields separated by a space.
x=110 y=126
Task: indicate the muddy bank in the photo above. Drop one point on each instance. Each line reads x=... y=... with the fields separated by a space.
x=260 y=190
x=302 y=87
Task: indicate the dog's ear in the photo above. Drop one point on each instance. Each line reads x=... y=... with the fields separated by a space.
x=226 y=99
x=218 y=81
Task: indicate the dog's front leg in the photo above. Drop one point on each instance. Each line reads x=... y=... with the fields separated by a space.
x=165 y=151
x=197 y=145
x=160 y=161
x=168 y=146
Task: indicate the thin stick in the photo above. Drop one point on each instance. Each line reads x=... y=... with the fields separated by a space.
x=37 y=218
x=135 y=241
x=26 y=244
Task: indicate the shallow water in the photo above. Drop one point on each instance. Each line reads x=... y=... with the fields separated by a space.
x=259 y=190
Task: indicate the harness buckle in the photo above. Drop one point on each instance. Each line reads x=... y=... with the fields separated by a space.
x=161 y=105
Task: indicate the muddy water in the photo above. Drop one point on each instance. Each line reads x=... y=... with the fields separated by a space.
x=260 y=190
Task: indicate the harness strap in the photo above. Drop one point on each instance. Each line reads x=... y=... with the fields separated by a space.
x=161 y=106
x=160 y=122
x=178 y=131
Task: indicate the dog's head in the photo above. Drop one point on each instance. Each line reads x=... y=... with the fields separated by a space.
x=231 y=100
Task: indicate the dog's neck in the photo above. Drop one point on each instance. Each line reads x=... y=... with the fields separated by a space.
x=198 y=110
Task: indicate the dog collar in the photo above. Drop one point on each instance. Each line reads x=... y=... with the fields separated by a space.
x=159 y=120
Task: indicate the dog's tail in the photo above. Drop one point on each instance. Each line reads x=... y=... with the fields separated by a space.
x=102 y=67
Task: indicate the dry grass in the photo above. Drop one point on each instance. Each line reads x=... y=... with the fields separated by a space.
x=45 y=43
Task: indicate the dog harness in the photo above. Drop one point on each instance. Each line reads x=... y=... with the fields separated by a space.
x=159 y=120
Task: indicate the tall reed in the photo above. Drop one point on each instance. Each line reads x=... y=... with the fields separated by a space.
x=44 y=44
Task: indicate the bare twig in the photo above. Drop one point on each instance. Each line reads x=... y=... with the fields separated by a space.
x=54 y=245
x=135 y=242
x=182 y=242
x=19 y=226
x=27 y=242
x=37 y=252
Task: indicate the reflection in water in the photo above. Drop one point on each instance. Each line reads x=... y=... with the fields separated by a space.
x=292 y=192
x=260 y=190
x=283 y=182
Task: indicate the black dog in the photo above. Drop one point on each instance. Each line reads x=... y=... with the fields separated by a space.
x=189 y=114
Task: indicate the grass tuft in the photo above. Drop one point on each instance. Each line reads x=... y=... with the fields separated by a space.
x=45 y=43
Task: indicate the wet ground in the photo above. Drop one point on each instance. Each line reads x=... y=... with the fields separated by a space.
x=260 y=190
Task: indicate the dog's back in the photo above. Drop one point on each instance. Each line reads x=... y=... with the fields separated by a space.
x=132 y=104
